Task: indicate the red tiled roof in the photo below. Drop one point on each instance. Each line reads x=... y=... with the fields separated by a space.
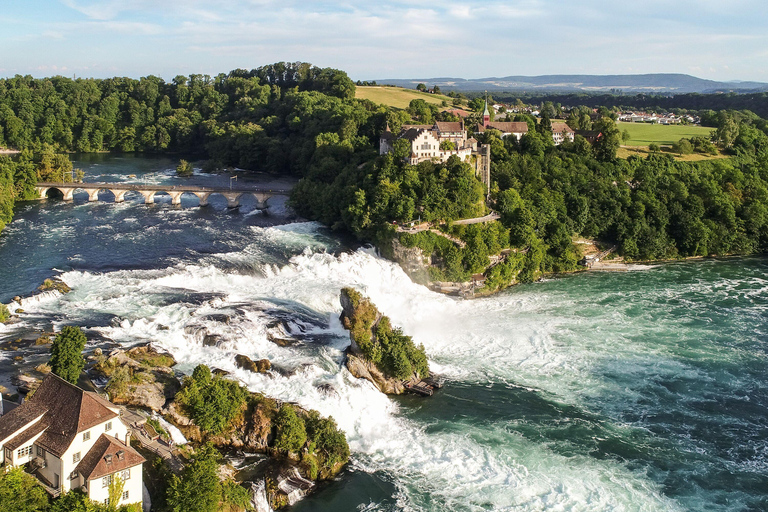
x=13 y=421
x=102 y=459
x=449 y=126
x=26 y=435
x=505 y=126
x=561 y=127
x=66 y=409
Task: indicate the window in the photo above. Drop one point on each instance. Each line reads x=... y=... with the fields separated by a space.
x=125 y=495
x=24 y=452
x=125 y=475
x=108 y=426
x=106 y=480
x=86 y=435
x=73 y=475
x=75 y=458
x=40 y=451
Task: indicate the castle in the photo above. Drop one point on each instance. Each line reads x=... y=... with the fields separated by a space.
x=440 y=141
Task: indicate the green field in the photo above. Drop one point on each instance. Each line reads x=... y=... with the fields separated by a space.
x=396 y=96
x=642 y=134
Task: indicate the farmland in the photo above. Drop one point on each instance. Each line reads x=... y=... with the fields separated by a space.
x=642 y=134
x=397 y=97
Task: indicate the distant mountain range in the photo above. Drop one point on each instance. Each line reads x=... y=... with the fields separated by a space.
x=650 y=83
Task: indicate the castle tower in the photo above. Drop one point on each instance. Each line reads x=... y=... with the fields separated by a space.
x=486 y=115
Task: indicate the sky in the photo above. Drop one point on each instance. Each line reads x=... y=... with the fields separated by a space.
x=715 y=39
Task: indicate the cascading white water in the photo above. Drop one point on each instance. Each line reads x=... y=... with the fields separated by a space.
x=500 y=340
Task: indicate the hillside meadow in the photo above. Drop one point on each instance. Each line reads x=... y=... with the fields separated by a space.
x=397 y=97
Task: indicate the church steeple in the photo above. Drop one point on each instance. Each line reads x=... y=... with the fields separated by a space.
x=486 y=115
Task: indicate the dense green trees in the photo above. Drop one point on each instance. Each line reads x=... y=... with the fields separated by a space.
x=123 y=114
x=198 y=487
x=386 y=346
x=67 y=353
x=212 y=401
x=20 y=492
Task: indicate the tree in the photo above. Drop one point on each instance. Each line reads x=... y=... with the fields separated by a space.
x=67 y=353
x=421 y=87
x=447 y=145
x=683 y=147
x=20 y=492
x=198 y=488
x=291 y=431
x=436 y=89
x=653 y=147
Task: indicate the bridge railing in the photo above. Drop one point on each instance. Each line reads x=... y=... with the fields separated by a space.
x=160 y=188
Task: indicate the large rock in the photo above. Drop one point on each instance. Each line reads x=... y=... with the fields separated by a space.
x=364 y=369
x=152 y=382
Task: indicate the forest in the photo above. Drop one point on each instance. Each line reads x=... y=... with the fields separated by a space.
x=297 y=119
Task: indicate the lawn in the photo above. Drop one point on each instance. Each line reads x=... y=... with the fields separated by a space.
x=397 y=96
x=642 y=134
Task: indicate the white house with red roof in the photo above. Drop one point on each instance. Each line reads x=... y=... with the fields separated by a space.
x=72 y=439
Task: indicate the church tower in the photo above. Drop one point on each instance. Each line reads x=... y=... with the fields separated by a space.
x=486 y=115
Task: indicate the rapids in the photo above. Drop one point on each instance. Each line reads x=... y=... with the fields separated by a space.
x=635 y=391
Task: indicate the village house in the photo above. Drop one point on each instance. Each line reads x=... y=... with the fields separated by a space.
x=72 y=439
x=560 y=130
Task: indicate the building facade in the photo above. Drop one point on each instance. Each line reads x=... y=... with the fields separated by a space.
x=70 y=439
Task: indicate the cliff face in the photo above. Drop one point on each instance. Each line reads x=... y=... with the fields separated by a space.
x=411 y=260
x=365 y=369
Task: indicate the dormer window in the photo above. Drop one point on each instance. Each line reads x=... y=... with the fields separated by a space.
x=86 y=435
x=108 y=458
x=120 y=455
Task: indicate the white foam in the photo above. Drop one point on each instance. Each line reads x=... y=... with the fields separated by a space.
x=500 y=339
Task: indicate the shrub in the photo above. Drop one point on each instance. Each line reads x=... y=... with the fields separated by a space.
x=291 y=431
x=184 y=168
x=4 y=313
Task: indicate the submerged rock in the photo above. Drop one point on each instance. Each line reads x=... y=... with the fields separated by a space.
x=211 y=340
x=278 y=334
x=245 y=362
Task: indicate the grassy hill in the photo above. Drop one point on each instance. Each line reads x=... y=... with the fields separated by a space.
x=397 y=97
x=642 y=134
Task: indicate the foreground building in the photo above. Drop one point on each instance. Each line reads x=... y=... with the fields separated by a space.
x=72 y=439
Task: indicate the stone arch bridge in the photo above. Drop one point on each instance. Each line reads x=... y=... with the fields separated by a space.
x=148 y=191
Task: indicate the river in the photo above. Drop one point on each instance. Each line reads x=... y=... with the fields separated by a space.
x=644 y=390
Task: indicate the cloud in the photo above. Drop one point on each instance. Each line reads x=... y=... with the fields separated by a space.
x=405 y=38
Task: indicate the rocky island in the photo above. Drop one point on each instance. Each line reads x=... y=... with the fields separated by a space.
x=381 y=353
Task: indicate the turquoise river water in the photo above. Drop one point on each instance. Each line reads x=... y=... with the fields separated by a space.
x=644 y=390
